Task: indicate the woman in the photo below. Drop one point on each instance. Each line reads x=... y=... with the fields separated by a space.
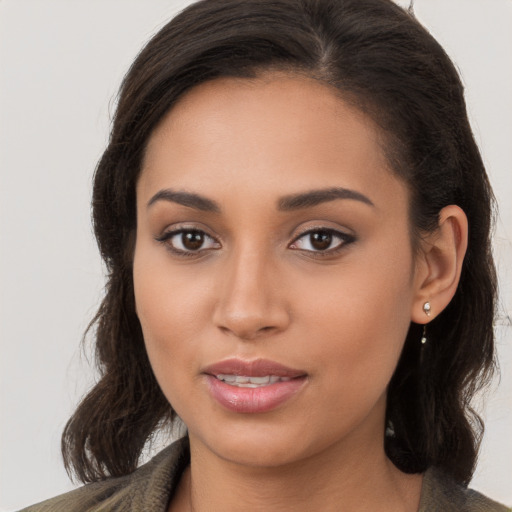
x=295 y=218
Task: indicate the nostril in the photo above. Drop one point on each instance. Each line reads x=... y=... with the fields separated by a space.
x=245 y=332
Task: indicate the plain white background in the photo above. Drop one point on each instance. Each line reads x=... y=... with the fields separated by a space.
x=61 y=62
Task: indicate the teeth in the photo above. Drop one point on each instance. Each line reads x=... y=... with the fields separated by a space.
x=253 y=380
x=244 y=381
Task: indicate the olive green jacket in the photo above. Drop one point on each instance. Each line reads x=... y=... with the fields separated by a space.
x=150 y=487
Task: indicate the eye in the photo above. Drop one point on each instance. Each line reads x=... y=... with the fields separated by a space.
x=322 y=240
x=188 y=241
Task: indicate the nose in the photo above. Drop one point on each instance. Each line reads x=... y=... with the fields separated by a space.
x=251 y=301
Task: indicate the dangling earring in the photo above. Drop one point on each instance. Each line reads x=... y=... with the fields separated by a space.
x=427 y=308
x=424 y=335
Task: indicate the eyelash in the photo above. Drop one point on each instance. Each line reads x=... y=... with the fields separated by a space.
x=344 y=238
x=167 y=237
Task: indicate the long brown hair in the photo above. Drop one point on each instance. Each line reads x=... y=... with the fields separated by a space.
x=379 y=58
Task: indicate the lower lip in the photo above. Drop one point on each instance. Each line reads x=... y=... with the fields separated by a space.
x=253 y=400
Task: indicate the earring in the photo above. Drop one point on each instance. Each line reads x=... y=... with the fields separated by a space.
x=427 y=308
x=424 y=335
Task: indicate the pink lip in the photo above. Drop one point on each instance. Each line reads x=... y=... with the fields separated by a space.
x=253 y=400
x=254 y=368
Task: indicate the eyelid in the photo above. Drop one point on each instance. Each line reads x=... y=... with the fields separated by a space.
x=346 y=239
x=170 y=232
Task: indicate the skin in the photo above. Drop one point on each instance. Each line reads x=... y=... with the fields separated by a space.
x=258 y=288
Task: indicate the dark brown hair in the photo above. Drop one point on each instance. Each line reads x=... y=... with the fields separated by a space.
x=381 y=59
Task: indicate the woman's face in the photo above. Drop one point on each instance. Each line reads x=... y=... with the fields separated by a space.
x=274 y=274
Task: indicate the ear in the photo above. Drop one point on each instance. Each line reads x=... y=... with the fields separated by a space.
x=439 y=264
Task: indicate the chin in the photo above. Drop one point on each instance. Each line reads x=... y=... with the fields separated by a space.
x=255 y=444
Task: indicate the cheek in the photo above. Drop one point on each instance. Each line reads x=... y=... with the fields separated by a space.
x=168 y=308
x=167 y=294
x=359 y=319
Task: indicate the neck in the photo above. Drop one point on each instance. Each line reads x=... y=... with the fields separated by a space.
x=336 y=479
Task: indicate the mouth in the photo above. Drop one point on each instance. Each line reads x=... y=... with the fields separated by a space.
x=245 y=381
x=253 y=386
x=256 y=371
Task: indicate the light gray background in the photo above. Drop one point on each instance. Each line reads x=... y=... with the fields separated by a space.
x=60 y=66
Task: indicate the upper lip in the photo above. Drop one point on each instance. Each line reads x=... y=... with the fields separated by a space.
x=253 y=368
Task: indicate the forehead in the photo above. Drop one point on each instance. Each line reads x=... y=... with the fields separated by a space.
x=276 y=132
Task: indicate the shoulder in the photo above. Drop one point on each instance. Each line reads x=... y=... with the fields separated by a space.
x=146 y=489
x=440 y=493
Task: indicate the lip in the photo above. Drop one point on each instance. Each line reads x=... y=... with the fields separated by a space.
x=253 y=368
x=253 y=400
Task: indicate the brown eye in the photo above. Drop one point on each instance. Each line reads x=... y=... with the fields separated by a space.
x=192 y=240
x=326 y=241
x=188 y=241
x=320 y=240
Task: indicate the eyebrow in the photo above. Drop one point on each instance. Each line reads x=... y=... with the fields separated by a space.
x=316 y=197
x=287 y=203
x=186 y=199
